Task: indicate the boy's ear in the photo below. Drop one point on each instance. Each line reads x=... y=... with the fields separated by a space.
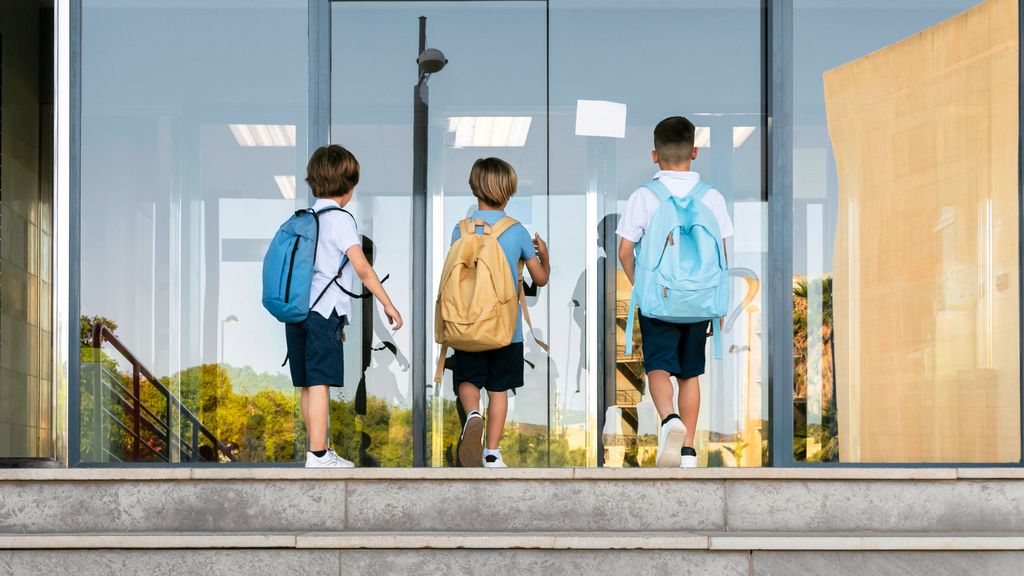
x=693 y=154
x=654 y=156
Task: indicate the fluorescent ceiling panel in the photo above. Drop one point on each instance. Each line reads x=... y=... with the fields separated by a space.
x=600 y=118
x=740 y=135
x=490 y=131
x=264 y=135
x=286 y=184
x=702 y=138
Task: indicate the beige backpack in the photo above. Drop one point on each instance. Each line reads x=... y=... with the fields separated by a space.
x=477 y=304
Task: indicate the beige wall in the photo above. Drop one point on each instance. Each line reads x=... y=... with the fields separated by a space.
x=926 y=287
x=25 y=215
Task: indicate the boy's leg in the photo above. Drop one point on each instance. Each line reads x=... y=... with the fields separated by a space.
x=661 y=392
x=497 y=409
x=469 y=397
x=317 y=413
x=689 y=406
x=305 y=409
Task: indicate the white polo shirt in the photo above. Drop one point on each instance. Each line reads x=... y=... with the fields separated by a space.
x=337 y=234
x=643 y=203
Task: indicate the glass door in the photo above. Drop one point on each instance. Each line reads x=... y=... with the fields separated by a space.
x=490 y=99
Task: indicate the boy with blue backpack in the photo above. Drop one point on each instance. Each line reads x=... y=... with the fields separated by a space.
x=307 y=281
x=672 y=248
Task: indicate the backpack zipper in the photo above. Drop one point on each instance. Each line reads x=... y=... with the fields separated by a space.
x=291 y=267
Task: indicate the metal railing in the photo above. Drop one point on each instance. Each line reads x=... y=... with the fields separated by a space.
x=145 y=418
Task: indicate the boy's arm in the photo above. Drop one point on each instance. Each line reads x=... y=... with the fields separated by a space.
x=369 y=278
x=539 y=266
x=627 y=256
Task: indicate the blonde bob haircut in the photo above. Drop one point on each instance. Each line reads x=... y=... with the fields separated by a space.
x=493 y=180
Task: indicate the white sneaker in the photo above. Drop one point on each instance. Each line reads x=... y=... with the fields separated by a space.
x=670 y=443
x=325 y=461
x=497 y=461
x=344 y=463
x=687 y=461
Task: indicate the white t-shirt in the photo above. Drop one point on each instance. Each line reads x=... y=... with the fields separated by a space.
x=643 y=203
x=337 y=234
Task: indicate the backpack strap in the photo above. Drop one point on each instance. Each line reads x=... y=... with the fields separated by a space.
x=502 y=225
x=659 y=189
x=699 y=191
x=526 y=309
x=439 y=371
x=630 y=319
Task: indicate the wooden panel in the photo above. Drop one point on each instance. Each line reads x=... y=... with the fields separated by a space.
x=926 y=288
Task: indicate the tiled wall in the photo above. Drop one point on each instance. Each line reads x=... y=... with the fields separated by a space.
x=25 y=232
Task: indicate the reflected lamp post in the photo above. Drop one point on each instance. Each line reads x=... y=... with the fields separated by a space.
x=430 y=61
x=232 y=319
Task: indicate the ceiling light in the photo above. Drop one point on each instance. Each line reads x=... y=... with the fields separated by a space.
x=248 y=135
x=490 y=131
x=286 y=184
x=702 y=137
x=740 y=135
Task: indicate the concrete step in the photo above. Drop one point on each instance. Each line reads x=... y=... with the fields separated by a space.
x=714 y=541
x=293 y=500
x=522 y=554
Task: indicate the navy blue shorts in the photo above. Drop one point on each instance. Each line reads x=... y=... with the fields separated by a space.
x=315 y=353
x=498 y=370
x=675 y=348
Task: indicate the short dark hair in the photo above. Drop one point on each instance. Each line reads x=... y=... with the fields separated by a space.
x=332 y=171
x=673 y=140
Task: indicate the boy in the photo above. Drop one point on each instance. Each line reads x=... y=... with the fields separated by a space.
x=493 y=182
x=671 y=349
x=315 y=344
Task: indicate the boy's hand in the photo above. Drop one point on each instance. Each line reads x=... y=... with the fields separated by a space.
x=394 y=318
x=540 y=246
x=721 y=327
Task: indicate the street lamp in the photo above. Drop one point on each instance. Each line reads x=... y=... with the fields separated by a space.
x=232 y=319
x=429 y=61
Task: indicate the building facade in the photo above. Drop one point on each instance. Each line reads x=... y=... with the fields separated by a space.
x=868 y=151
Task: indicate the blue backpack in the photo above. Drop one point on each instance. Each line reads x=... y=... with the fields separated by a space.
x=288 y=267
x=681 y=275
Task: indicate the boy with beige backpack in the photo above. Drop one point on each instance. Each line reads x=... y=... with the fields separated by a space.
x=478 y=306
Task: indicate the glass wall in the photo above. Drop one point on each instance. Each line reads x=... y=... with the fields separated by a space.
x=495 y=78
x=195 y=135
x=194 y=131
x=647 y=61
x=905 y=231
x=26 y=218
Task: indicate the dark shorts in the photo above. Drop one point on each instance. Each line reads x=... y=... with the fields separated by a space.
x=675 y=348
x=315 y=353
x=498 y=370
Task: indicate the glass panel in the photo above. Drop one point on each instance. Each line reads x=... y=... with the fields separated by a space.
x=26 y=193
x=498 y=74
x=905 y=231
x=700 y=59
x=190 y=155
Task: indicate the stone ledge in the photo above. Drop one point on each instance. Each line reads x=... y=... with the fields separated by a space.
x=715 y=541
x=228 y=472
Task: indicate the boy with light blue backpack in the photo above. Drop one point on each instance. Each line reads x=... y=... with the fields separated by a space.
x=307 y=280
x=672 y=247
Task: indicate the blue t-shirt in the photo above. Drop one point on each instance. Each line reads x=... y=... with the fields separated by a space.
x=517 y=244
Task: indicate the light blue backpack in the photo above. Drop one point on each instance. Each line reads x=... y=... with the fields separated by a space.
x=288 y=267
x=681 y=274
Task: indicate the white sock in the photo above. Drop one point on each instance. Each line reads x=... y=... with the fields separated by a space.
x=489 y=452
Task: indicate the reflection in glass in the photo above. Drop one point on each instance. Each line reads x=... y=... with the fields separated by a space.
x=489 y=100
x=905 y=288
x=191 y=151
x=602 y=51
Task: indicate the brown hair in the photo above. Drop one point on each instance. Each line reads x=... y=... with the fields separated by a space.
x=332 y=171
x=493 y=180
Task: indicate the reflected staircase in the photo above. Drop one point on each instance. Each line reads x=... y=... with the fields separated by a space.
x=133 y=417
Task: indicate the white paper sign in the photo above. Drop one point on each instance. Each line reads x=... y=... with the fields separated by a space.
x=600 y=118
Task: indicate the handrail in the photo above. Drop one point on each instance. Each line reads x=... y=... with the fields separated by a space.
x=100 y=334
